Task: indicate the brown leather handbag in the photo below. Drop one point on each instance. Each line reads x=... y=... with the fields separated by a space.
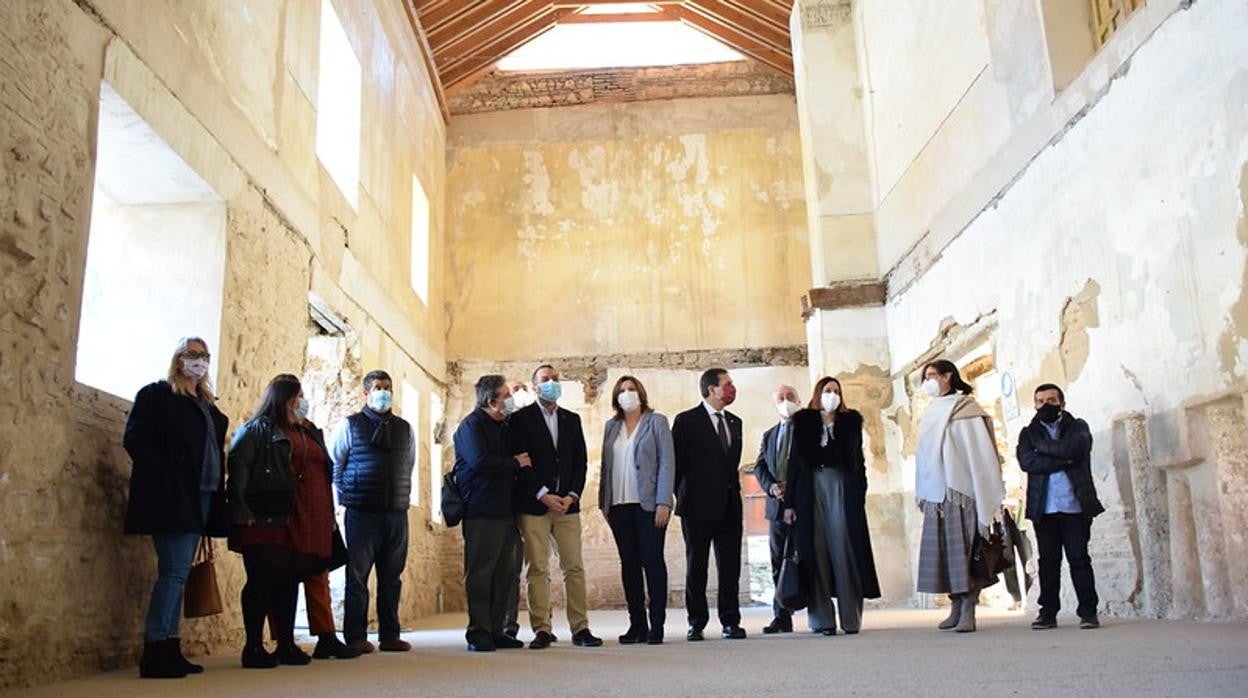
x=202 y=597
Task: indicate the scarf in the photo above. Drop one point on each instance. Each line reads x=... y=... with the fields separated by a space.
x=957 y=460
x=381 y=428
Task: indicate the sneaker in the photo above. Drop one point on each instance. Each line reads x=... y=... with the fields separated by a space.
x=1090 y=623
x=1043 y=623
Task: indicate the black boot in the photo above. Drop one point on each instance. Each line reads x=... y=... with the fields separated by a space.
x=328 y=646
x=160 y=661
x=176 y=649
x=255 y=657
x=636 y=634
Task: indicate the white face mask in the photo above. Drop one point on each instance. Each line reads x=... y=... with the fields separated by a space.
x=301 y=409
x=629 y=400
x=194 y=368
x=829 y=401
x=522 y=398
x=381 y=400
x=509 y=405
x=787 y=408
x=932 y=387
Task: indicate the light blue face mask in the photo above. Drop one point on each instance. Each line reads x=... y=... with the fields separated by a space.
x=550 y=391
x=381 y=400
x=301 y=409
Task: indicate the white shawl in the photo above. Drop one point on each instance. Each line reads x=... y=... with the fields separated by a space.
x=957 y=457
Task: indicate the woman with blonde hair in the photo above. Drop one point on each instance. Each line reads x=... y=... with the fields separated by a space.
x=175 y=436
x=959 y=488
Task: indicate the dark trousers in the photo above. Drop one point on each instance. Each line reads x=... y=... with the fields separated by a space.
x=374 y=539
x=640 y=544
x=489 y=574
x=511 y=621
x=725 y=535
x=273 y=573
x=778 y=532
x=1069 y=532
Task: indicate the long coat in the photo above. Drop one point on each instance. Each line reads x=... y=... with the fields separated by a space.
x=165 y=437
x=844 y=452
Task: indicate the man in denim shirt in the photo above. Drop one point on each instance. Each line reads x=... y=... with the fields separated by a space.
x=1055 y=451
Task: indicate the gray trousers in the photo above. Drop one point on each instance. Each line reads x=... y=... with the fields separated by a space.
x=489 y=574
x=836 y=572
x=511 y=622
x=779 y=530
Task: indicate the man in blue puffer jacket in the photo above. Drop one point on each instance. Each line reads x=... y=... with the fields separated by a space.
x=374 y=453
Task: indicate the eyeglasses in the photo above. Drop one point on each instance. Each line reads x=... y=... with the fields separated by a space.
x=196 y=355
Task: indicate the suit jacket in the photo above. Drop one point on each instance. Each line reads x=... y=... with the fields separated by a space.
x=653 y=458
x=707 y=479
x=765 y=468
x=560 y=470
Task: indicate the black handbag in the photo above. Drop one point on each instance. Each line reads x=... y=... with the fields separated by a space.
x=453 y=506
x=988 y=558
x=791 y=591
x=337 y=552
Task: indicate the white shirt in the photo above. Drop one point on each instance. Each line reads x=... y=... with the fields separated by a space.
x=715 y=420
x=624 y=489
x=552 y=422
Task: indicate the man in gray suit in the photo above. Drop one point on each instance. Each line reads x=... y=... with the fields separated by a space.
x=771 y=469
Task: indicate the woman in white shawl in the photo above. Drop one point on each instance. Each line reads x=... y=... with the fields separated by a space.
x=959 y=488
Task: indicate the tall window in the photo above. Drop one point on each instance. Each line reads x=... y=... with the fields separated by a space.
x=1108 y=15
x=338 y=106
x=420 y=241
x=411 y=412
x=155 y=256
x=435 y=459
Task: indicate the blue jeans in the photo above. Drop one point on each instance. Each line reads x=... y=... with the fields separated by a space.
x=380 y=539
x=174 y=552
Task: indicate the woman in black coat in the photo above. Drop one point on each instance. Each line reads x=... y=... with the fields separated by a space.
x=175 y=435
x=828 y=496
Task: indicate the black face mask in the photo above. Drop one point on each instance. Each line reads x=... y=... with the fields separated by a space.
x=1049 y=413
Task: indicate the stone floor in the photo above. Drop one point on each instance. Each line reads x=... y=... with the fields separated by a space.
x=898 y=653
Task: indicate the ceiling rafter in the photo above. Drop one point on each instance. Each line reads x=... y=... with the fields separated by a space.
x=463 y=39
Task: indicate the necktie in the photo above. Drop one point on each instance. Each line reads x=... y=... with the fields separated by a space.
x=782 y=456
x=723 y=431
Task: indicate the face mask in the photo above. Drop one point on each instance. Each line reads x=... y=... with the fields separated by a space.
x=830 y=401
x=787 y=408
x=301 y=409
x=509 y=405
x=629 y=400
x=195 y=368
x=931 y=387
x=1049 y=413
x=522 y=398
x=729 y=394
x=550 y=391
x=381 y=400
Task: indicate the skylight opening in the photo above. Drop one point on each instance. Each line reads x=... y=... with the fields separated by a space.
x=618 y=45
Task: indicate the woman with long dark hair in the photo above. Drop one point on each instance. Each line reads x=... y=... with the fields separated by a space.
x=829 y=496
x=175 y=435
x=959 y=488
x=282 y=506
x=635 y=494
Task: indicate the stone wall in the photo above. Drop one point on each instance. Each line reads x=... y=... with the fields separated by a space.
x=231 y=87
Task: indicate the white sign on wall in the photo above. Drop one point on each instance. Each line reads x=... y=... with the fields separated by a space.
x=1009 y=395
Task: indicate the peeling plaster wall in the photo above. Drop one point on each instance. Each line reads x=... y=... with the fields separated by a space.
x=1115 y=264
x=231 y=86
x=627 y=227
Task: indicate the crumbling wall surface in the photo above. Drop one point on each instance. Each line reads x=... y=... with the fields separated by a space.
x=1114 y=265
x=234 y=99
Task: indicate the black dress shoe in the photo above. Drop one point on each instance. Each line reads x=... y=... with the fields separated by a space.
x=255 y=657
x=483 y=644
x=828 y=632
x=292 y=655
x=778 y=625
x=1089 y=623
x=584 y=638
x=329 y=647
x=635 y=635
x=541 y=641
x=654 y=637
x=694 y=635
x=733 y=632
x=1043 y=623
x=503 y=642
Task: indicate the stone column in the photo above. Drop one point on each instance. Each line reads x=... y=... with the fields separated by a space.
x=844 y=312
x=1228 y=451
x=1148 y=490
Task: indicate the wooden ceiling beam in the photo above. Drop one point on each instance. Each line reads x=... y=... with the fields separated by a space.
x=465 y=71
x=449 y=54
x=617 y=18
x=426 y=55
x=580 y=4
x=438 y=15
x=763 y=12
x=738 y=21
x=780 y=61
x=469 y=21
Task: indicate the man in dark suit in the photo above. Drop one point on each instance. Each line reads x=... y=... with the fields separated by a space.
x=771 y=469
x=708 y=499
x=548 y=498
x=485 y=470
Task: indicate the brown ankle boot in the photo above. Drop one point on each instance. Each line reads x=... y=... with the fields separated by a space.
x=955 y=613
